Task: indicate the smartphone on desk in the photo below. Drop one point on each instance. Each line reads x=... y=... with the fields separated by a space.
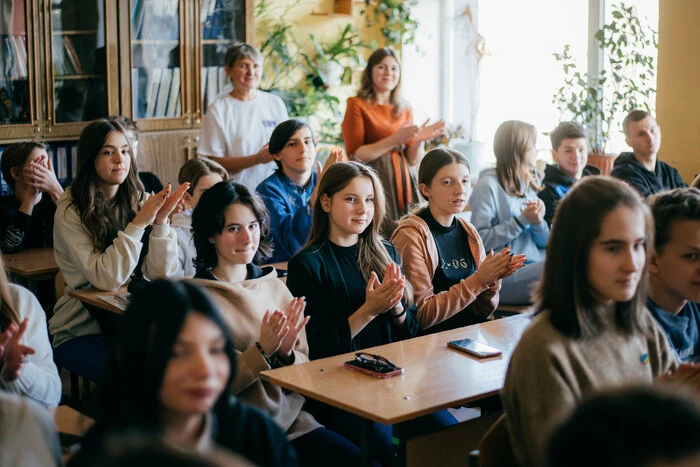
x=373 y=365
x=475 y=348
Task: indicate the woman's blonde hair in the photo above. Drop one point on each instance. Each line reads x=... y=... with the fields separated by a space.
x=372 y=254
x=510 y=143
x=366 y=91
x=8 y=313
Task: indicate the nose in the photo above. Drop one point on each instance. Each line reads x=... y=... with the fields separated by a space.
x=203 y=365
x=118 y=157
x=632 y=260
x=246 y=236
x=362 y=207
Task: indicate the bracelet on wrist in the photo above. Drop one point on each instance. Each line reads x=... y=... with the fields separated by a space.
x=264 y=354
x=400 y=314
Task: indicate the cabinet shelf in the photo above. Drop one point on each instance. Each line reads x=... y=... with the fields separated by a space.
x=155 y=41
x=217 y=41
x=76 y=77
x=74 y=32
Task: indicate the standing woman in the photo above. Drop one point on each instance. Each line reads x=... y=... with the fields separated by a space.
x=356 y=294
x=230 y=228
x=378 y=129
x=237 y=126
x=455 y=282
x=98 y=232
x=506 y=210
x=591 y=330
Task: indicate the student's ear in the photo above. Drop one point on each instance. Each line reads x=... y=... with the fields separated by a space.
x=276 y=157
x=627 y=141
x=555 y=156
x=16 y=172
x=187 y=198
x=424 y=190
x=325 y=203
x=653 y=263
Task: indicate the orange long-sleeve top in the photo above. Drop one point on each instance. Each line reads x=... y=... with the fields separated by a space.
x=367 y=123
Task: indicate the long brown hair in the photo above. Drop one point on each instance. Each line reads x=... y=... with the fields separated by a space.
x=366 y=91
x=8 y=313
x=103 y=218
x=564 y=288
x=372 y=255
x=510 y=143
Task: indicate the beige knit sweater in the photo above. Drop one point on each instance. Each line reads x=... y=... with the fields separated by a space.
x=550 y=373
x=243 y=305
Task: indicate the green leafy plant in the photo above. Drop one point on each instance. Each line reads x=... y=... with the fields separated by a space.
x=624 y=84
x=397 y=24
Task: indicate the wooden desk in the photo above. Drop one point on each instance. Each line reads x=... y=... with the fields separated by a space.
x=282 y=266
x=90 y=297
x=32 y=265
x=435 y=376
x=71 y=422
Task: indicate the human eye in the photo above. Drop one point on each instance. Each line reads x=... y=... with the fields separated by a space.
x=178 y=352
x=350 y=199
x=465 y=181
x=217 y=348
x=447 y=182
x=613 y=248
x=691 y=256
x=253 y=225
x=234 y=228
x=370 y=199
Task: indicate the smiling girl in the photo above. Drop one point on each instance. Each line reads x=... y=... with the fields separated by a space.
x=230 y=227
x=456 y=283
x=290 y=193
x=591 y=329
x=98 y=236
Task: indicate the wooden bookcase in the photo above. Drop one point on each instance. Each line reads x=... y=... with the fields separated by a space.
x=160 y=62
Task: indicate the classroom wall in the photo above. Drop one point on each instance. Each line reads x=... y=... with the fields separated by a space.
x=678 y=91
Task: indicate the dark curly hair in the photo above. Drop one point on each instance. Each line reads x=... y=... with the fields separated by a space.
x=208 y=220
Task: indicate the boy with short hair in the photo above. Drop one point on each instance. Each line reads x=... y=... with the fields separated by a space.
x=641 y=168
x=674 y=269
x=570 y=154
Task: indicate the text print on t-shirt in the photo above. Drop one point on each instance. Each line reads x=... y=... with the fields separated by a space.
x=269 y=123
x=455 y=264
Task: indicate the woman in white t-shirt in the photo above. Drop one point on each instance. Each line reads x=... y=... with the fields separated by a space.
x=238 y=125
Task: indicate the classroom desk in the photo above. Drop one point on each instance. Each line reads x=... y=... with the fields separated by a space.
x=71 y=422
x=435 y=376
x=32 y=265
x=90 y=298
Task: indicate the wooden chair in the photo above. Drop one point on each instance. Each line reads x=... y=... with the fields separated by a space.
x=503 y=311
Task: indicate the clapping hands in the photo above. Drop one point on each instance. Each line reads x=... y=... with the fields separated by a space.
x=13 y=355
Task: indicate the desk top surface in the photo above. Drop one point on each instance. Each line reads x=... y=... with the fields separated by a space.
x=435 y=376
x=91 y=296
x=32 y=262
x=71 y=422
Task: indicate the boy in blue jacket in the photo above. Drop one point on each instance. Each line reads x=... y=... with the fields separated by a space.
x=674 y=269
x=570 y=154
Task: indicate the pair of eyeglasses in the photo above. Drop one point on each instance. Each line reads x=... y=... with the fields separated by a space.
x=377 y=360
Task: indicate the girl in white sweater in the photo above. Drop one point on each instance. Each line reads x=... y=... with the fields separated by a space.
x=99 y=226
x=26 y=360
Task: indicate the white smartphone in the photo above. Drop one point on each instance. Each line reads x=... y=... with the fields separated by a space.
x=475 y=348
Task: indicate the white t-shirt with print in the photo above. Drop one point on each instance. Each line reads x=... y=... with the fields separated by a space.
x=237 y=128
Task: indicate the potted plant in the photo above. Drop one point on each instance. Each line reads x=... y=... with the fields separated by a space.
x=625 y=83
x=332 y=60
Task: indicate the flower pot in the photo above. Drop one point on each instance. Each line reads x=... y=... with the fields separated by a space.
x=603 y=161
x=331 y=72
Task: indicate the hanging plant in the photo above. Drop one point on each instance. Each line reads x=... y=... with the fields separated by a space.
x=394 y=18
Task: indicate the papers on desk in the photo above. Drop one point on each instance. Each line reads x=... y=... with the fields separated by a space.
x=119 y=300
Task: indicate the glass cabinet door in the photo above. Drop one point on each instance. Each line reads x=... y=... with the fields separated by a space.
x=156 y=73
x=80 y=64
x=18 y=114
x=221 y=23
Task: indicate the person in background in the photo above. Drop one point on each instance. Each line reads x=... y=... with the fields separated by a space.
x=570 y=154
x=506 y=210
x=169 y=377
x=455 y=282
x=674 y=269
x=230 y=228
x=26 y=359
x=641 y=168
x=26 y=216
x=591 y=330
x=630 y=428
x=151 y=182
x=201 y=174
x=98 y=232
x=378 y=129
x=28 y=436
x=290 y=193
x=696 y=182
x=237 y=126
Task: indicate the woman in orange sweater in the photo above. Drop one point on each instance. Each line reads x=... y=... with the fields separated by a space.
x=378 y=129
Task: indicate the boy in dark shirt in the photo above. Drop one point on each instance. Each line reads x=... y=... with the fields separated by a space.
x=26 y=216
x=641 y=168
x=570 y=154
x=674 y=269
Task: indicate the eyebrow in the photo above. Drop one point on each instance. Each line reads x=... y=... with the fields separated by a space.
x=239 y=223
x=616 y=241
x=186 y=343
